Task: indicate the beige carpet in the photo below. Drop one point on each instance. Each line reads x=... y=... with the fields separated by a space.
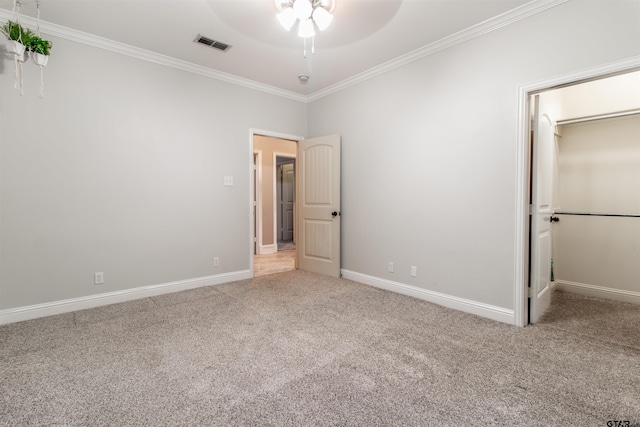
x=298 y=349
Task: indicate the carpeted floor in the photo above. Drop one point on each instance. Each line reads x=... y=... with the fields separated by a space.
x=299 y=349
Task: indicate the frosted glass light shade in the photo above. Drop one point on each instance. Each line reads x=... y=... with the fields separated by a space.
x=305 y=28
x=302 y=9
x=287 y=18
x=322 y=18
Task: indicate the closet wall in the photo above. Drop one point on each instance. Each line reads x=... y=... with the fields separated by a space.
x=599 y=172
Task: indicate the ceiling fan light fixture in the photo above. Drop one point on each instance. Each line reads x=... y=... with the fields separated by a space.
x=305 y=28
x=302 y=9
x=309 y=14
x=322 y=18
x=287 y=18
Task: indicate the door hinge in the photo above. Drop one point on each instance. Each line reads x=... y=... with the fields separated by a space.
x=530 y=209
x=529 y=292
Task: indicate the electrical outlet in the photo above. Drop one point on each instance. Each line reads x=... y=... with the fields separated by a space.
x=216 y=262
x=98 y=278
x=414 y=271
x=390 y=267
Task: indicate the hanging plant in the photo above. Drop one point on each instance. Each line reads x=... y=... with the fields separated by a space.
x=18 y=35
x=40 y=49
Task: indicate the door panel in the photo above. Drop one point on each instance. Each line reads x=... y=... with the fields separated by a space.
x=542 y=188
x=319 y=199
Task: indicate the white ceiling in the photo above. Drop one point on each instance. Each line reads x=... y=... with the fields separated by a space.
x=364 y=33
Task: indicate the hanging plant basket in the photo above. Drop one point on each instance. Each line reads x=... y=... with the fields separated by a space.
x=40 y=49
x=18 y=37
x=39 y=58
x=17 y=47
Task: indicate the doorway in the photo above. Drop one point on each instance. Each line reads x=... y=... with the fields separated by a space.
x=536 y=270
x=285 y=203
x=316 y=211
x=275 y=205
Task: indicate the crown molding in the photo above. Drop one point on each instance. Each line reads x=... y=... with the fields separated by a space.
x=522 y=12
x=149 y=56
x=495 y=23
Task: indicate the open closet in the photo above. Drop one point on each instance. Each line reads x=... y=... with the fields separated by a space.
x=595 y=230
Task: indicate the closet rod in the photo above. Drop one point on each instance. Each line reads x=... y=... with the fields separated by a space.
x=597 y=214
x=598 y=117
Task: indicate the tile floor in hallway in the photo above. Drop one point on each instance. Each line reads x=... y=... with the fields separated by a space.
x=274 y=263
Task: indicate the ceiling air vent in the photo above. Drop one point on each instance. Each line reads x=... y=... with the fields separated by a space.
x=212 y=43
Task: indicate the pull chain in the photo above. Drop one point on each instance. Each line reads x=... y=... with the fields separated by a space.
x=313 y=46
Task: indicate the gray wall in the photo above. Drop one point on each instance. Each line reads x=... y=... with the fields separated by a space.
x=429 y=149
x=120 y=170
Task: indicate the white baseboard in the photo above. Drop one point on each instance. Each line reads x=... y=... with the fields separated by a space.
x=480 y=309
x=65 y=306
x=598 y=291
x=268 y=249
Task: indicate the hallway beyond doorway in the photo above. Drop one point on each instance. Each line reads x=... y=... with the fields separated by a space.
x=274 y=263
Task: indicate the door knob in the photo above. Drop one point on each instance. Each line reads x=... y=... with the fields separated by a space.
x=335 y=214
x=554 y=218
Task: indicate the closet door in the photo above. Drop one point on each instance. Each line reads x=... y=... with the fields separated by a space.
x=541 y=215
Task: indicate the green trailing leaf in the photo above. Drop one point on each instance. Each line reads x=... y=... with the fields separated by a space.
x=39 y=45
x=14 y=31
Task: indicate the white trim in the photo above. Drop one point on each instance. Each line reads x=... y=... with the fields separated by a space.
x=521 y=278
x=258 y=210
x=149 y=56
x=468 y=306
x=272 y=134
x=598 y=291
x=495 y=23
x=65 y=306
x=269 y=249
x=521 y=261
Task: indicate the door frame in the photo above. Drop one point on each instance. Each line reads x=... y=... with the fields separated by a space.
x=275 y=195
x=523 y=172
x=257 y=210
x=273 y=134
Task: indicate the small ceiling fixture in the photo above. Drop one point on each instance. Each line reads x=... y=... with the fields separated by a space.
x=308 y=13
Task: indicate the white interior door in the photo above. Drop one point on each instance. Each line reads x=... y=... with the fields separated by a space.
x=319 y=204
x=541 y=214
